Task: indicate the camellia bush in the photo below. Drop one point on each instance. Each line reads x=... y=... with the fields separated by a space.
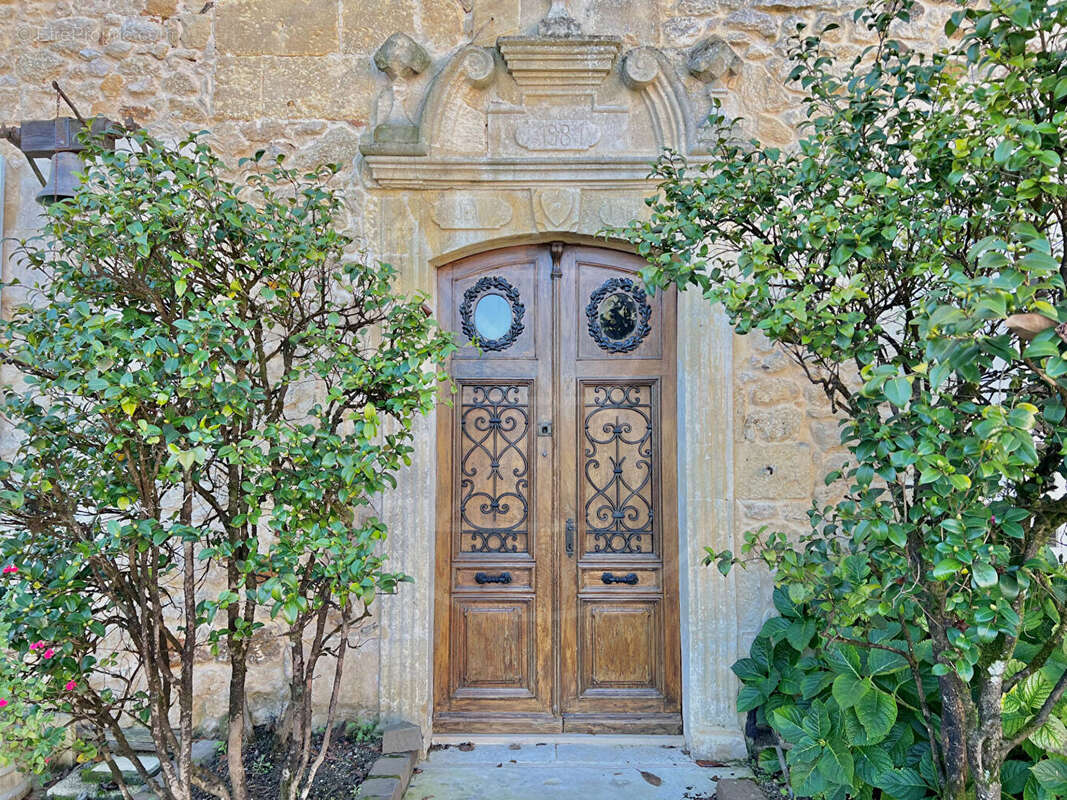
x=909 y=255
x=209 y=388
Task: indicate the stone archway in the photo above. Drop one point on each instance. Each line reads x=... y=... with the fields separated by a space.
x=549 y=137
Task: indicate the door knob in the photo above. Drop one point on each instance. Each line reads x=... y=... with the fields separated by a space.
x=570 y=527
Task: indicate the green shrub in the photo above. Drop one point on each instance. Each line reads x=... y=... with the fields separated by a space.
x=909 y=255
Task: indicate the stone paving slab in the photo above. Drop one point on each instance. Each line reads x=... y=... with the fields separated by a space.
x=565 y=771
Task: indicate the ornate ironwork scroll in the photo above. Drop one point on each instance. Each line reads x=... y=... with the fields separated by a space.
x=618 y=467
x=629 y=316
x=492 y=285
x=494 y=468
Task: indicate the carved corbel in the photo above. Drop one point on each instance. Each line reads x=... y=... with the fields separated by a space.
x=712 y=61
x=401 y=58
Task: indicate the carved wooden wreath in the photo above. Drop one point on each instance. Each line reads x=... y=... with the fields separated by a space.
x=493 y=285
x=641 y=328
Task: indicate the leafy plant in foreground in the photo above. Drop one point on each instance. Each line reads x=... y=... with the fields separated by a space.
x=207 y=390
x=909 y=255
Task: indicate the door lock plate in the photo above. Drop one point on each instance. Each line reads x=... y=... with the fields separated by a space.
x=544 y=428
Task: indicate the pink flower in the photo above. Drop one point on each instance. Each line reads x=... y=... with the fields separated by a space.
x=49 y=653
x=71 y=685
x=10 y=569
x=3 y=702
x=36 y=645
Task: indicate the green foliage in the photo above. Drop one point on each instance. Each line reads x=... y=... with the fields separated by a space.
x=212 y=387
x=909 y=255
x=30 y=735
x=362 y=732
x=850 y=714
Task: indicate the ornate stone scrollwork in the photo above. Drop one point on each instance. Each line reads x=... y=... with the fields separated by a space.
x=479 y=66
x=640 y=67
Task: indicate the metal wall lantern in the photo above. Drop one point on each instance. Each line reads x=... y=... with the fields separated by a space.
x=58 y=140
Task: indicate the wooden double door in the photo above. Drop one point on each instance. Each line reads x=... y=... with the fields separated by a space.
x=556 y=582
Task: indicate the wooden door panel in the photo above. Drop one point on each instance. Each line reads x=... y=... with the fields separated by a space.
x=620 y=654
x=514 y=279
x=606 y=297
x=493 y=619
x=614 y=579
x=493 y=656
x=621 y=657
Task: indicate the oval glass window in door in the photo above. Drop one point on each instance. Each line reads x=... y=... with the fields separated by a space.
x=618 y=314
x=491 y=314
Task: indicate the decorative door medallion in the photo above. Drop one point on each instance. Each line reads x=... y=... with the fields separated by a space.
x=557 y=565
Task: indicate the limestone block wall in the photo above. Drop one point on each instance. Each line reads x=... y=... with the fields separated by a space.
x=298 y=77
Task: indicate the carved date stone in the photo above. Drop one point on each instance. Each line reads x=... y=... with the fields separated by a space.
x=713 y=59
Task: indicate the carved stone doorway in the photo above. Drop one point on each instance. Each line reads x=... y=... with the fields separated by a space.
x=557 y=597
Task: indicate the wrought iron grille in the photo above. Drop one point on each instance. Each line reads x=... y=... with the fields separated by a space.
x=494 y=468
x=618 y=467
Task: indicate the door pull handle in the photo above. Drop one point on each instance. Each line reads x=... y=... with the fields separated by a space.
x=609 y=578
x=570 y=528
x=485 y=577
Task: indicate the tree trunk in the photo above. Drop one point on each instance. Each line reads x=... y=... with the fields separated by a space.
x=235 y=734
x=955 y=696
x=954 y=736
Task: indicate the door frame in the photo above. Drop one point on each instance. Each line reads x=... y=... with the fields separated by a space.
x=668 y=486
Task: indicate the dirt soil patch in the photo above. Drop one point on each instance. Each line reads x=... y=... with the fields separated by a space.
x=347 y=763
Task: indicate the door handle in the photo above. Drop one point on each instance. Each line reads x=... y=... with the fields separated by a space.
x=570 y=528
x=610 y=578
x=485 y=577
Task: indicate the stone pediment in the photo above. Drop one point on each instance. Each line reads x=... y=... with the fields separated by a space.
x=539 y=110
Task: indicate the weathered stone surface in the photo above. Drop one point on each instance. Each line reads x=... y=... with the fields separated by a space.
x=712 y=60
x=775 y=391
x=395 y=765
x=772 y=424
x=400 y=56
x=13 y=785
x=490 y=19
x=682 y=31
x=335 y=87
x=161 y=8
x=277 y=27
x=195 y=31
x=737 y=789
x=101 y=773
x=141 y=31
x=442 y=23
x=703 y=7
x=756 y=21
x=380 y=789
x=364 y=26
x=38 y=66
x=774 y=471
x=401 y=737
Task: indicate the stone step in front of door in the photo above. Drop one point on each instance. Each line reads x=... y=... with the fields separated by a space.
x=583 y=770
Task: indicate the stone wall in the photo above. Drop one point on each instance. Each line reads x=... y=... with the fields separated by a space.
x=299 y=77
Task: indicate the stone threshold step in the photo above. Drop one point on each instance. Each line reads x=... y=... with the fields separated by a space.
x=558 y=738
